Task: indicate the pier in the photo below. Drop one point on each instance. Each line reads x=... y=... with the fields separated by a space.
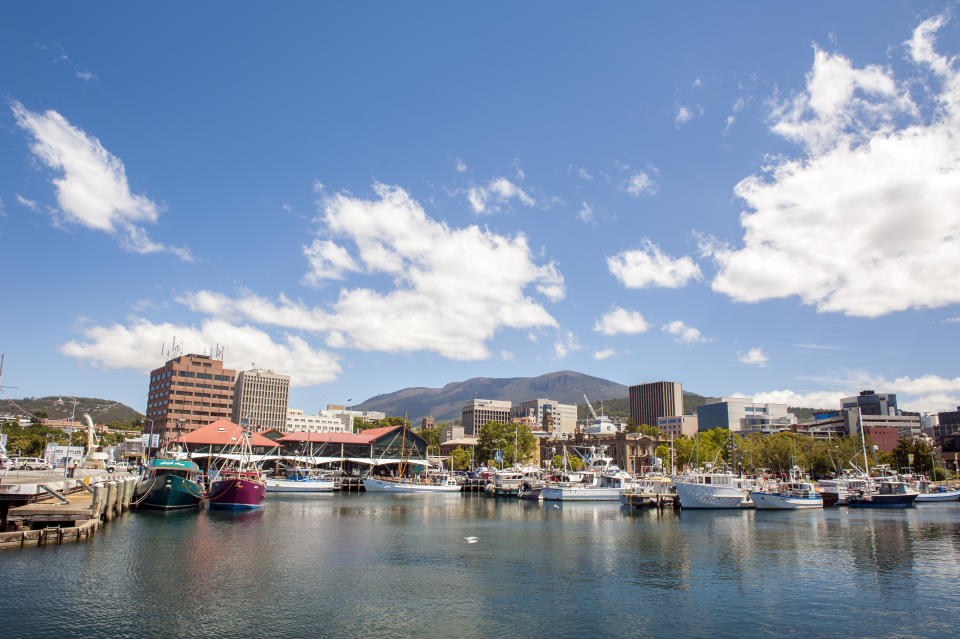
x=40 y=509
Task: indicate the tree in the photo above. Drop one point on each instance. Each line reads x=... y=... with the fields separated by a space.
x=495 y=436
x=460 y=458
x=574 y=463
x=432 y=435
x=644 y=429
x=38 y=417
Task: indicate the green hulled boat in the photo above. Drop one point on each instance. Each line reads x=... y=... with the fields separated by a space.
x=170 y=484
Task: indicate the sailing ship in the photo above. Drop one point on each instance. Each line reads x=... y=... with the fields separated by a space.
x=400 y=484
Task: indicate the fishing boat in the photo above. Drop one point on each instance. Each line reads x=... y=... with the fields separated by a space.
x=239 y=486
x=602 y=480
x=649 y=491
x=170 y=484
x=887 y=493
x=714 y=490
x=299 y=481
x=790 y=495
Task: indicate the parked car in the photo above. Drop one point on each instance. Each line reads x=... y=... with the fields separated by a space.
x=34 y=463
x=6 y=463
x=118 y=467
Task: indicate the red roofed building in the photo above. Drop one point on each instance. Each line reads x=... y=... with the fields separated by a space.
x=372 y=443
x=223 y=434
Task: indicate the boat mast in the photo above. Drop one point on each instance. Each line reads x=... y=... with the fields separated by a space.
x=863 y=444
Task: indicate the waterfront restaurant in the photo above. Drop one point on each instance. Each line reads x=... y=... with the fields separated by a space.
x=380 y=448
x=223 y=436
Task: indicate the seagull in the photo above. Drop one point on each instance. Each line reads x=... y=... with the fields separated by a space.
x=471 y=540
x=555 y=506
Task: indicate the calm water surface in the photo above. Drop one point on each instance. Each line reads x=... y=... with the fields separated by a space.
x=389 y=566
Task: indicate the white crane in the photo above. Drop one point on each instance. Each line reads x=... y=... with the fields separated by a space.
x=590 y=406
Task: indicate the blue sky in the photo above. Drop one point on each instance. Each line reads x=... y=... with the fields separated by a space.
x=758 y=199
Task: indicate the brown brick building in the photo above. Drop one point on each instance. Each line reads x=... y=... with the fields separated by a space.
x=192 y=390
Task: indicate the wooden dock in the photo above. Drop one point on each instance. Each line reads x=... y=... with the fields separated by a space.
x=350 y=484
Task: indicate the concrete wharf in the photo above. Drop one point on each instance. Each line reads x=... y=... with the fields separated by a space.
x=59 y=508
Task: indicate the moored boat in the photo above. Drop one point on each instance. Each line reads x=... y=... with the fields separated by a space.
x=409 y=485
x=791 y=495
x=938 y=495
x=169 y=484
x=714 y=490
x=238 y=490
x=888 y=494
x=298 y=481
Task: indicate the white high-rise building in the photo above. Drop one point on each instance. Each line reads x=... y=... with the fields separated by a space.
x=297 y=422
x=260 y=400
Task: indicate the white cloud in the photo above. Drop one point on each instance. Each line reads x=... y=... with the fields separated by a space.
x=461 y=166
x=497 y=192
x=619 y=320
x=864 y=222
x=952 y=320
x=92 y=187
x=30 y=204
x=585 y=213
x=728 y=125
x=565 y=344
x=453 y=288
x=606 y=353
x=318 y=186
x=683 y=114
x=684 y=334
x=286 y=207
x=640 y=184
x=136 y=346
x=507 y=356
x=327 y=261
x=648 y=266
x=925 y=393
x=819 y=347
x=584 y=174
x=754 y=356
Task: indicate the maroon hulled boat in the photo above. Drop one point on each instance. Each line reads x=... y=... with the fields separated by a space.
x=238 y=490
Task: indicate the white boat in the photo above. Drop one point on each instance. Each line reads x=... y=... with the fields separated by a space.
x=407 y=485
x=935 y=496
x=300 y=485
x=602 y=481
x=792 y=495
x=714 y=490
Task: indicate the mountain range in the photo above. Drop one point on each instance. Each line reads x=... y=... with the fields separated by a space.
x=443 y=404
x=103 y=411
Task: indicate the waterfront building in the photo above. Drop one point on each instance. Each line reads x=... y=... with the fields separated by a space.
x=322 y=422
x=547 y=415
x=61 y=456
x=743 y=415
x=223 y=436
x=478 y=412
x=359 y=450
x=633 y=452
x=949 y=424
x=187 y=392
x=651 y=401
x=348 y=415
x=450 y=432
x=677 y=425
x=260 y=399
x=847 y=424
x=467 y=443
x=871 y=403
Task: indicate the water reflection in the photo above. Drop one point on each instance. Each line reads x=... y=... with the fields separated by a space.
x=378 y=564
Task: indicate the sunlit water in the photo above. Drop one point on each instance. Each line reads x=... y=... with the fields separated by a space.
x=389 y=566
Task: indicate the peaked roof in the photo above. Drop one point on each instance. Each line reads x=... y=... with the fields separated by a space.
x=223 y=432
x=363 y=437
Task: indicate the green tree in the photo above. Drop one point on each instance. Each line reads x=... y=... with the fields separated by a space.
x=460 y=458
x=432 y=435
x=573 y=462
x=515 y=440
x=38 y=417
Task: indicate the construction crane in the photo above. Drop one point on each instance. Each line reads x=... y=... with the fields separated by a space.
x=590 y=406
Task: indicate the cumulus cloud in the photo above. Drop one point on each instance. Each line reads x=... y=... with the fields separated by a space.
x=499 y=191
x=453 y=288
x=640 y=184
x=620 y=320
x=585 y=213
x=565 y=344
x=754 y=356
x=135 y=346
x=327 y=260
x=683 y=114
x=648 y=266
x=606 y=353
x=684 y=334
x=91 y=187
x=864 y=222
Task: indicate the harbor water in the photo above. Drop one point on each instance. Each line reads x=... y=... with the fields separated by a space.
x=401 y=566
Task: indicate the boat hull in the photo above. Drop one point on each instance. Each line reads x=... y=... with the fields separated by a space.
x=883 y=501
x=300 y=486
x=711 y=496
x=948 y=495
x=237 y=494
x=374 y=485
x=168 y=492
x=576 y=493
x=776 y=501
